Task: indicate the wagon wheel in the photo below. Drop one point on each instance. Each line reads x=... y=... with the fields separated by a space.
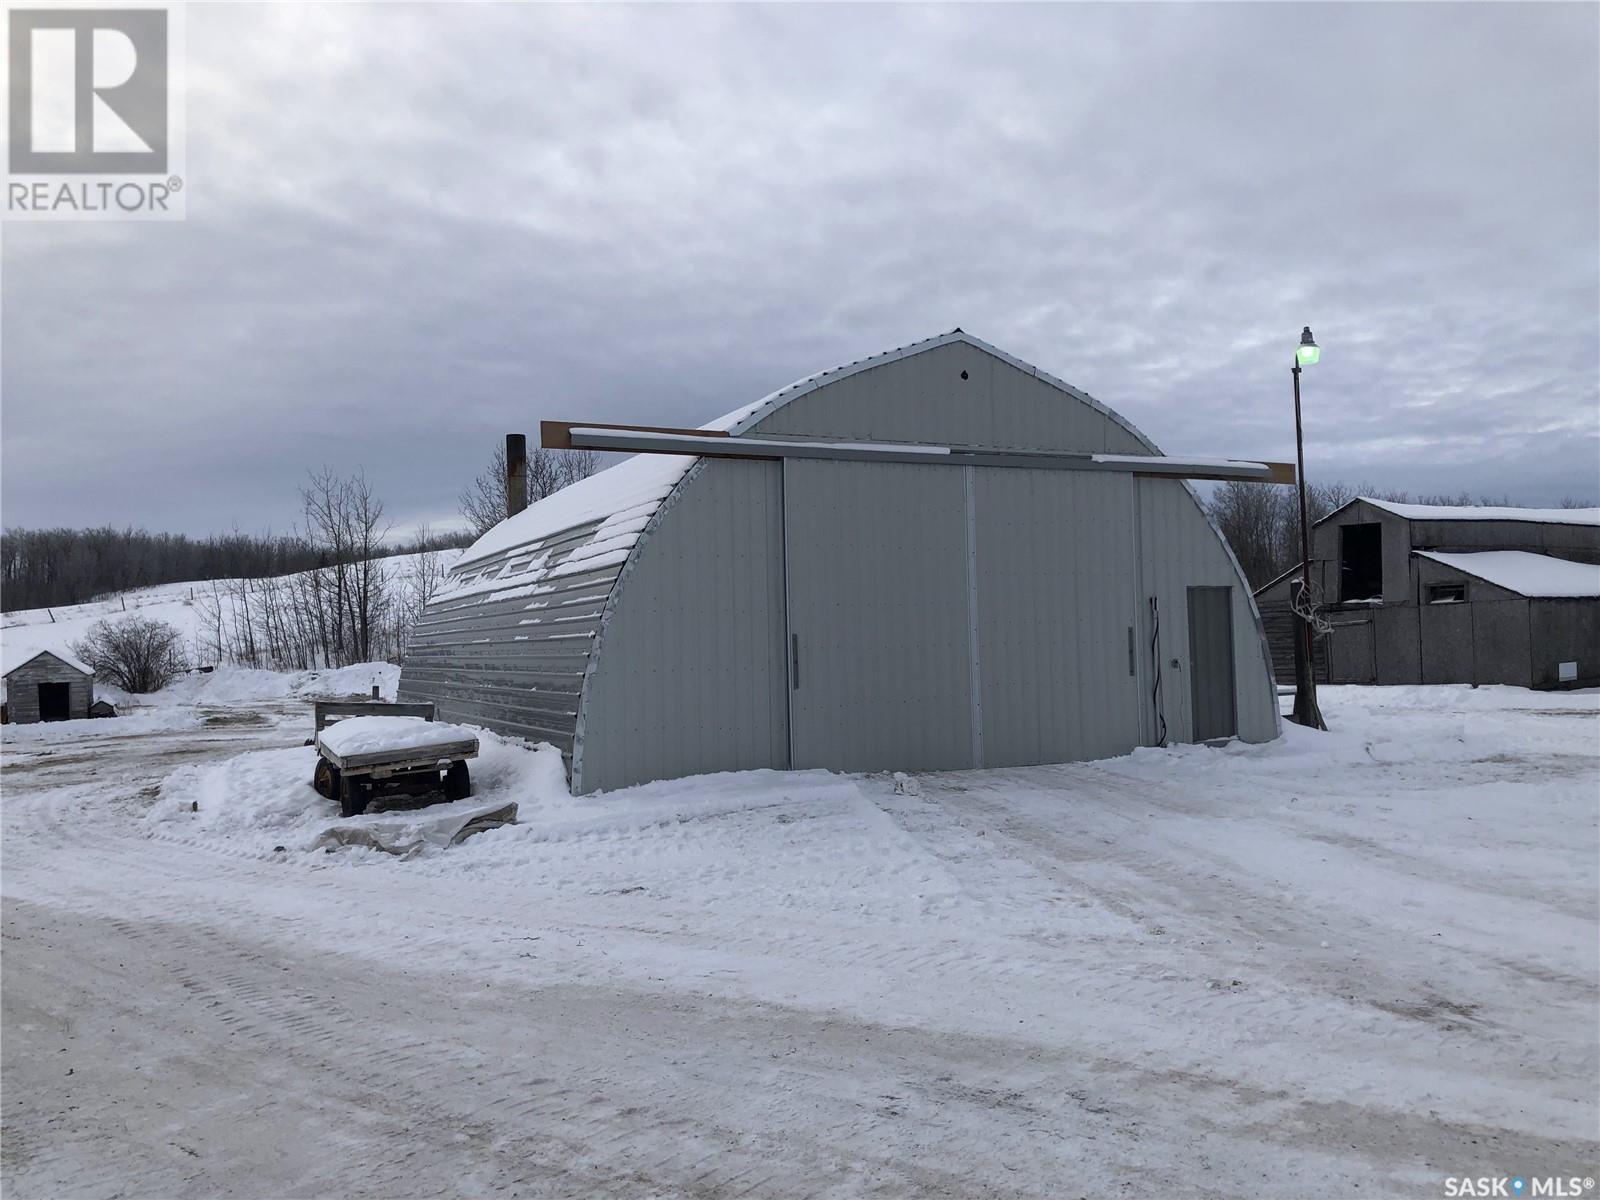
x=353 y=798
x=457 y=781
x=326 y=779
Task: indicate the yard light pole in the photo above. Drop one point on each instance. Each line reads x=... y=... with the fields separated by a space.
x=1306 y=711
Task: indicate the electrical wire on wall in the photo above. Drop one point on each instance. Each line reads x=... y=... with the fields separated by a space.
x=1155 y=659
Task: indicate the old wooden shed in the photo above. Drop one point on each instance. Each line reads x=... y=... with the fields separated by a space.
x=44 y=685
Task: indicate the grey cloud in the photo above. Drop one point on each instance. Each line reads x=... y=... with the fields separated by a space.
x=414 y=228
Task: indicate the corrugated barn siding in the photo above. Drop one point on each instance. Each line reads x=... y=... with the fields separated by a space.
x=877 y=576
x=1056 y=576
x=1179 y=550
x=924 y=399
x=512 y=658
x=946 y=617
x=688 y=675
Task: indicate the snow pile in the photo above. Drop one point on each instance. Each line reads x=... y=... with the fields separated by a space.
x=1523 y=572
x=371 y=735
x=264 y=798
x=244 y=685
x=131 y=719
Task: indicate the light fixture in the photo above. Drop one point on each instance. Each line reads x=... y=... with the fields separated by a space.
x=1308 y=352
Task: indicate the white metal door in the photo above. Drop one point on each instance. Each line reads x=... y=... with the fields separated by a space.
x=1057 y=615
x=880 y=652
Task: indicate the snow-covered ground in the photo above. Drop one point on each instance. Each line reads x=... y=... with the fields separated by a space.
x=1357 y=963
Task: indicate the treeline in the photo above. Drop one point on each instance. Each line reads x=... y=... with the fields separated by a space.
x=1262 y=522
x=349 y=607
x=49 y=568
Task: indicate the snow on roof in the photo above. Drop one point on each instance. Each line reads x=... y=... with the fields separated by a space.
x=1523 y=572
x=14 y=654
x=634 y=486
x=625 y=497
x=1474 y=512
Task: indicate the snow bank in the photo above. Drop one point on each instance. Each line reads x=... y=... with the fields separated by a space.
x=258 y=800
x=370 y=735
x=129 y=721
x=245 y=685
x=264 y=798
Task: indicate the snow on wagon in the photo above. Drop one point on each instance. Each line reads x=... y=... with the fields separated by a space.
x=368 y=751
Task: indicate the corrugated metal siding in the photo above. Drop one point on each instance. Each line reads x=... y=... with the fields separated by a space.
x=689 y=675
x=887 y=573
x=922 y=398
x=1179 y=549
x=1056 y=597
x=877 y=577
x=512 y=658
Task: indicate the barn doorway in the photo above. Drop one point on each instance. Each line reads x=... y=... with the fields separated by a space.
x=55 y=701
x=1211 y=662
x=1361 y=562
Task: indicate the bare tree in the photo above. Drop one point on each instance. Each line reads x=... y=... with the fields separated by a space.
x=416 y=592
x=1325 y=498
x=1262 y=522
x=483 y=501
x=1253 y=518
x=347 y=592
x=137 y=654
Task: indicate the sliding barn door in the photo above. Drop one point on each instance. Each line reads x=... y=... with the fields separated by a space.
x=1056 y=613
x=880 y=650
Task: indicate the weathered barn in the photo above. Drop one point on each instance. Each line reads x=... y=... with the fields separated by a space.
x=939 y=557
x=44 y=685
x=1420 y=593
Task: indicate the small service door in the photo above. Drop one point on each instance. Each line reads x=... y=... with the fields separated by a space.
x=1211 y=663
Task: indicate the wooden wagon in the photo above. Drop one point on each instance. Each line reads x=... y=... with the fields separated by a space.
x=413 y=759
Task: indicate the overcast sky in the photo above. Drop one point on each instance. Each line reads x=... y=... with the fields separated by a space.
x=413 y=229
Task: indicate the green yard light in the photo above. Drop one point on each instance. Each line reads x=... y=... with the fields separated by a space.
x=1309 y=352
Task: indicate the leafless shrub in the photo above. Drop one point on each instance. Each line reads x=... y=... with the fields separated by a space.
x=137 y=654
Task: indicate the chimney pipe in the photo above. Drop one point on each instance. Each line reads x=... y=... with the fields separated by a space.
x=516 y=473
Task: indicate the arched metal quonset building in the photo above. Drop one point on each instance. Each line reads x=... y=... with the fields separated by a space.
x=675 y=615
